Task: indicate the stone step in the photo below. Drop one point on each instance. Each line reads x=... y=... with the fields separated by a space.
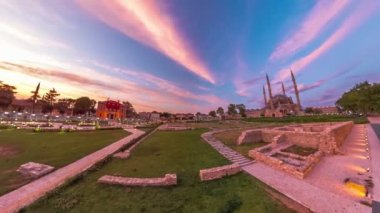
x=237 y=157
x=241 y=161
x=246 y=164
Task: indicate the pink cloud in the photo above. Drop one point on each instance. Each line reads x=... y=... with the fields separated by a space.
x=362 y=12
x=317 y=20
x=145 y=22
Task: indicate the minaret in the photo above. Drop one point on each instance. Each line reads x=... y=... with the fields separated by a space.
x=265 y=97
x=296 y=90
x=283 y=89
x=270 y=93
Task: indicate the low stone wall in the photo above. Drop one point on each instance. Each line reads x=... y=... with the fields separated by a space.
x=333 y=137
x=168 y=180
x=249 y=136
x=219 y=172
x=298 y=172
x=325 y=137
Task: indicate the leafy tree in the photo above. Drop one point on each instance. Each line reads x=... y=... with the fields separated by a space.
x=49 y=100
x=82 y=105
x=220 y=111
x=231 y=110
x=212 y=113
x=130 y=110
x=242 y=109
x=64 y=105
x=165 y=115
x=7 y=94
x=309 y=110
x=362 y=98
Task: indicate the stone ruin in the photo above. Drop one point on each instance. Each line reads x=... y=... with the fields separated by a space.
x=219 y=172
x=34 y=170
x=174 y=127
x=167 y=180
x=324 y=138
x=122 y=155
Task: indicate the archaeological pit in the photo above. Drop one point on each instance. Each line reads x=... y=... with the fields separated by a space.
x=296 y=149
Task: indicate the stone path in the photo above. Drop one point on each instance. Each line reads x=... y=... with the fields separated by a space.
x=29 y=193
x=374 y=144
x=312 y=197
x=226 y=151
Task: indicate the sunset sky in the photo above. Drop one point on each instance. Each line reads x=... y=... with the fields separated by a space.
x=189 y=55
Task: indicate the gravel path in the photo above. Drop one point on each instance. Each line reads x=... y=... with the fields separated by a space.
x=27 y=194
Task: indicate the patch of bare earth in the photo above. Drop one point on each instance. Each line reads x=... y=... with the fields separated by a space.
x=7 y=151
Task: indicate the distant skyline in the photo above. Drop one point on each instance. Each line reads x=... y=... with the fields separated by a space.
x=189 y=55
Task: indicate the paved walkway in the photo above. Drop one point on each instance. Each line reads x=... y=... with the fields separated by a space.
x=312 y=197
x=329 y=174
x=374 y=144
x=27 y=194
x=226 y=151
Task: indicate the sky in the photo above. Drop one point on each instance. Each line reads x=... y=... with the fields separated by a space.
x=189 y=55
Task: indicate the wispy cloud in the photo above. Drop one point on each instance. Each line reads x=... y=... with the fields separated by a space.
x=144 y=90
x=316 y=21
x=362 y=12
x=145 y=22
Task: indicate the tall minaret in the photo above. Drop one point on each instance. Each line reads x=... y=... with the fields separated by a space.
x=270 y=93
x=265 y=97
x=283 y=89
x=296 y=90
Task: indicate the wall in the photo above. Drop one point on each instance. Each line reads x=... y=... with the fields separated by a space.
x=219 y=172
x=168 y=180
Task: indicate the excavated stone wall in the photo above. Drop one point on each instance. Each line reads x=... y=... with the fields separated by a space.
x=168 y=180
x=219 y=172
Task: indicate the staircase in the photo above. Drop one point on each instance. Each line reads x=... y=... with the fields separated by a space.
x=227 y=152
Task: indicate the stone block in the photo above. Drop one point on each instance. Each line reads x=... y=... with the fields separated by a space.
x=34 y=170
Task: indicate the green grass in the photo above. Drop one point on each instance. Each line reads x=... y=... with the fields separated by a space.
x=299 y=150
x=183 y=153
x=230 y=137
x=310 y=119
x=56 y=149
x=376 y=128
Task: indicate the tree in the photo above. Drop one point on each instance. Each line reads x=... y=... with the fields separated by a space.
x=130 y=110
x=309 y=110
x=220 y=111
x=48 y=101
x=35 y=96
x=212 y=113
x=65 y=105
x=362 y=98
x=7 y=95
x=242 y=109
x=231 y=110
x=82 y=105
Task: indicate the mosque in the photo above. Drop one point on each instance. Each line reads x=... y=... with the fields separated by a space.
x=281 y=105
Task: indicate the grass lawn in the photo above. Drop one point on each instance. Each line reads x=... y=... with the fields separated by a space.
x=229 y=138
x=376 y=128
x=310 y=119
x=183 y=153
x=299 y=150
x=56 y=149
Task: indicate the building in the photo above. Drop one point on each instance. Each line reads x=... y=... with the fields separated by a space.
x=149 y=116
x=281 y=105
x=327 y=110
x=111 y=110
x=254 y=113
